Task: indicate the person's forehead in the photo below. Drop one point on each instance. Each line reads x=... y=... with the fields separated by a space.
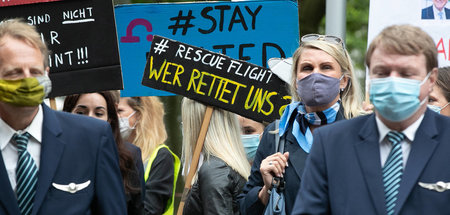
x=13 y=45
x=316 y=55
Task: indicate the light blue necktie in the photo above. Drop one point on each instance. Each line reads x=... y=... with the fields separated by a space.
x=26 y=173
x=440 y=13
x=393 y=170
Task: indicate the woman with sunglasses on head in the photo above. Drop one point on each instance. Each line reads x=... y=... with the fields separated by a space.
x=439 y=100
x=102 y=105
x=142 y=123
x=324 y=89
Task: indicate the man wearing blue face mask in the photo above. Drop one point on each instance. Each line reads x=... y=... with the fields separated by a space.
x=51 y=162
x=392 y=161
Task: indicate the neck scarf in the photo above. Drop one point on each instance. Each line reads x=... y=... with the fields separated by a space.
x=300 y=127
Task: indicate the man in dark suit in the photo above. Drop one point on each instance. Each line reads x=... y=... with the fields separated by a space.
x=394 y=161
x=51 y=162
x=437 y=8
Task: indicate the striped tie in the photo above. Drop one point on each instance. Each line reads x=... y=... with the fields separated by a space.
x=26 y=173
x=393 y=170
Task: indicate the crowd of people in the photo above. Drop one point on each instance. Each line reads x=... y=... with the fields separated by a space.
x=337 y=156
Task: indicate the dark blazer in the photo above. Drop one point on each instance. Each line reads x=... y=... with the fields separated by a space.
x=427 y=13
x=249 y=201
x=343 y=171
x=75 y=149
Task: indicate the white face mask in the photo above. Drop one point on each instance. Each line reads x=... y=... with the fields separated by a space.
x=124 y=125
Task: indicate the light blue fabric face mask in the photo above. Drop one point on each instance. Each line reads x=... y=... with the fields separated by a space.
x=396 y=99
x=436 y=108
x=250 y=142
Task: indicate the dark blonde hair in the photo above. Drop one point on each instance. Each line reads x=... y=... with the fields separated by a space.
x=405 y=40
x=150 y=130
x=19 y=29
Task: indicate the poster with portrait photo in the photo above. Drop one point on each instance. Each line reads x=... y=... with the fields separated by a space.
x=435 y=10
x=383 y=13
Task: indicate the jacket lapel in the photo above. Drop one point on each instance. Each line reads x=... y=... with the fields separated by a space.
x=7 y=196
x=422 y=148
x=368 y=154
x=51 y=151
x=297 y=156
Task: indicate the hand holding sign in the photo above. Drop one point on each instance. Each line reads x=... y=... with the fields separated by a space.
x=215 y=79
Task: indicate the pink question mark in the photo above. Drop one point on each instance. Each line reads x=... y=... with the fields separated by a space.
x=129 y=38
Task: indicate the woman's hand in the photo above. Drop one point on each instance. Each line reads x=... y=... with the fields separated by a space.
x=270 y=167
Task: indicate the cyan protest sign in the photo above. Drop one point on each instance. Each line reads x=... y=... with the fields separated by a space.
x=253 y=31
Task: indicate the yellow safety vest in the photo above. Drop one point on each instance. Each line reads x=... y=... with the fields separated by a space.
x=176 y=166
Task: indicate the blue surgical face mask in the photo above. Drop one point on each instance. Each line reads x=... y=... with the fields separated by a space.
x=250 y=142
x=436 y=108
x=396 y=99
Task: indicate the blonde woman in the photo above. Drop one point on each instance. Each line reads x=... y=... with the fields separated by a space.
x=224 y=168
x=142 y=123
x=324 y=90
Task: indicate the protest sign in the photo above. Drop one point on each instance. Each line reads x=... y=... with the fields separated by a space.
x=384 y=13
x=83 y=42
x=254 y=31
x=215 y=79
x=20 y=2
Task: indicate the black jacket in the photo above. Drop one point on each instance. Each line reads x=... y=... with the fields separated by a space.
x=215 y=191
x=135 y=205
x=159 y=185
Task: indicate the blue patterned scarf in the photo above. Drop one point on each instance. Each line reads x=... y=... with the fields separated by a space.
x=300 y=128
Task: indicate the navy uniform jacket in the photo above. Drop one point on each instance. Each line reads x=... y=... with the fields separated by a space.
x=249 y=201
x=343 y=171
x=74 y=149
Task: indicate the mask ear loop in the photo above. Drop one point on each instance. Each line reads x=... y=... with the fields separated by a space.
x=135 y=122
x=442 y=108
x=421 y=83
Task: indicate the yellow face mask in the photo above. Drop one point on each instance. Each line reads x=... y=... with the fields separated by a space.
x=25 y=92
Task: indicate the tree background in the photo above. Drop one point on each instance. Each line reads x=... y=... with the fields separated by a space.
x=311 y=20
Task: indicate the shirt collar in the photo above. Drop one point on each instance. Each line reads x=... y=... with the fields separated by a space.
x=35 y=129
x=409 y=132
x=436 y=12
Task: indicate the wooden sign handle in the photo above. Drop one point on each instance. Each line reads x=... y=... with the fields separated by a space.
x=196 y=157
x=52 y=103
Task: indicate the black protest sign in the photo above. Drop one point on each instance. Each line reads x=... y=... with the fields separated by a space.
x=215 y=79
x=81 y=36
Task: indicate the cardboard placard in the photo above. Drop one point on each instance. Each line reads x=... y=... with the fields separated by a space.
x=82 y=38
x=215 y=79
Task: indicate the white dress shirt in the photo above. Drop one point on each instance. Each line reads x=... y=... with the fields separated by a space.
x=385 y=146
x=9 y=149
x=436 y=13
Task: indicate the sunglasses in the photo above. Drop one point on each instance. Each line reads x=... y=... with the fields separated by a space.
x=328 y=38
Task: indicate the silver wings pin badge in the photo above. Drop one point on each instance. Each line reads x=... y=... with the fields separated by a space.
x=439 y=186
x=72 y=187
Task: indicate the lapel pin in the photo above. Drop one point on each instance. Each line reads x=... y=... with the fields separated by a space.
x=72 y=187
x=439 y=186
